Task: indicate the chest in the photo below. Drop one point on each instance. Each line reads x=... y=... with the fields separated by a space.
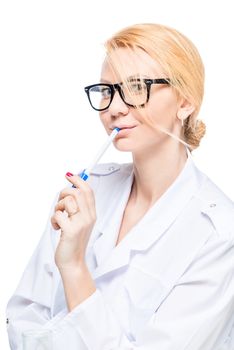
x=131 y=216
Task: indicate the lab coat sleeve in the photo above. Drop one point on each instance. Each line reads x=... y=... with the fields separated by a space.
x=198 y=313
x=29 y=307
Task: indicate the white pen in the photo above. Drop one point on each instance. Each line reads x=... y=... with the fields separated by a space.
x=85 y=173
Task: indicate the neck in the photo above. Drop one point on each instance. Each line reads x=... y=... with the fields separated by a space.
x=155 y=171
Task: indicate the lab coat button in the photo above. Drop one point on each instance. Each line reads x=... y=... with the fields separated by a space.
x=212 y=205
x=105 y=169
x=7 y=321
x=48 y=269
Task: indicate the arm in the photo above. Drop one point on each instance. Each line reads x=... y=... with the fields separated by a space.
x=31 y=306
x=76 y=225
x=78 y=284
x=199 y=312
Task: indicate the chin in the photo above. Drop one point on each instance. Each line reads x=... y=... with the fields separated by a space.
x=124 y=146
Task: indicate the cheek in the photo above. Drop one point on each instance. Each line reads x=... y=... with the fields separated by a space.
x=103 y=118
x=162 y=109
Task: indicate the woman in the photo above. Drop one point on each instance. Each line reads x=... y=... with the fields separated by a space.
x=141 y=255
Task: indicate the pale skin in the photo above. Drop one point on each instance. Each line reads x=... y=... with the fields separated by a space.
x=157 y=161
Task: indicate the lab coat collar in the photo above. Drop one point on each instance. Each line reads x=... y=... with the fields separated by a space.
x=150 y=228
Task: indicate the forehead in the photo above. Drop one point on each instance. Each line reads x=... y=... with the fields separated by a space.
x=124 y=62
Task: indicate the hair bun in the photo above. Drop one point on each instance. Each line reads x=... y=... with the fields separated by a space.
x=193 y=135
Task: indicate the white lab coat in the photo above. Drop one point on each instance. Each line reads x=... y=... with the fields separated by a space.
x=168 y=285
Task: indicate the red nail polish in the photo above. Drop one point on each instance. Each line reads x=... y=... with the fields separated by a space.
x=69 y=174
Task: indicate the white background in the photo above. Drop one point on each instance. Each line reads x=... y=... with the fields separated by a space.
x=48 y=51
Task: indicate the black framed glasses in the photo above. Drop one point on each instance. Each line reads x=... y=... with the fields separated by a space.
x=135 y=92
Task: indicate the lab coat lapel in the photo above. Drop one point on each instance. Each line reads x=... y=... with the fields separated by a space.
x=154 y=224
x=106 y=230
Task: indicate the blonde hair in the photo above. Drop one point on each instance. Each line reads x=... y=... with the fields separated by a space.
x=180 y=61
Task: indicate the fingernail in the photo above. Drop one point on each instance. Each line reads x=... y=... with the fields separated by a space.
x=69 y=174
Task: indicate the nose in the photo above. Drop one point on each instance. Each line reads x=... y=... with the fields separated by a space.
x=118 y=107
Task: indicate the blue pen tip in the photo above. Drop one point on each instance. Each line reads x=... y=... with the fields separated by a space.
x=118 y=129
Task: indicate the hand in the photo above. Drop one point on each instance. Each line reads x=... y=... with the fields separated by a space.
x=75 y=215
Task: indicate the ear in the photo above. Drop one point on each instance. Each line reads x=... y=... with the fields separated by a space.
x=185 y=109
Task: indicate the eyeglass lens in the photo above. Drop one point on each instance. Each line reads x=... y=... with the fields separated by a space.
x=133 y=93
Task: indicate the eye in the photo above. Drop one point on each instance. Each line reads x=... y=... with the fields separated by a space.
x=137 y=87
x=105 y=91
x=101 y=91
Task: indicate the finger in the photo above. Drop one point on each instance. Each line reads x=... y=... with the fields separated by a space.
x=72 y=205
x=68 y=204
x=59 y=220
x=77 y=181
x=86 y=202
x=83 y=205
x=54 y=223
x=68 y=191
x=84 y=189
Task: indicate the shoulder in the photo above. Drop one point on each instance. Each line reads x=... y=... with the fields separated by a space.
x=218 y=207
